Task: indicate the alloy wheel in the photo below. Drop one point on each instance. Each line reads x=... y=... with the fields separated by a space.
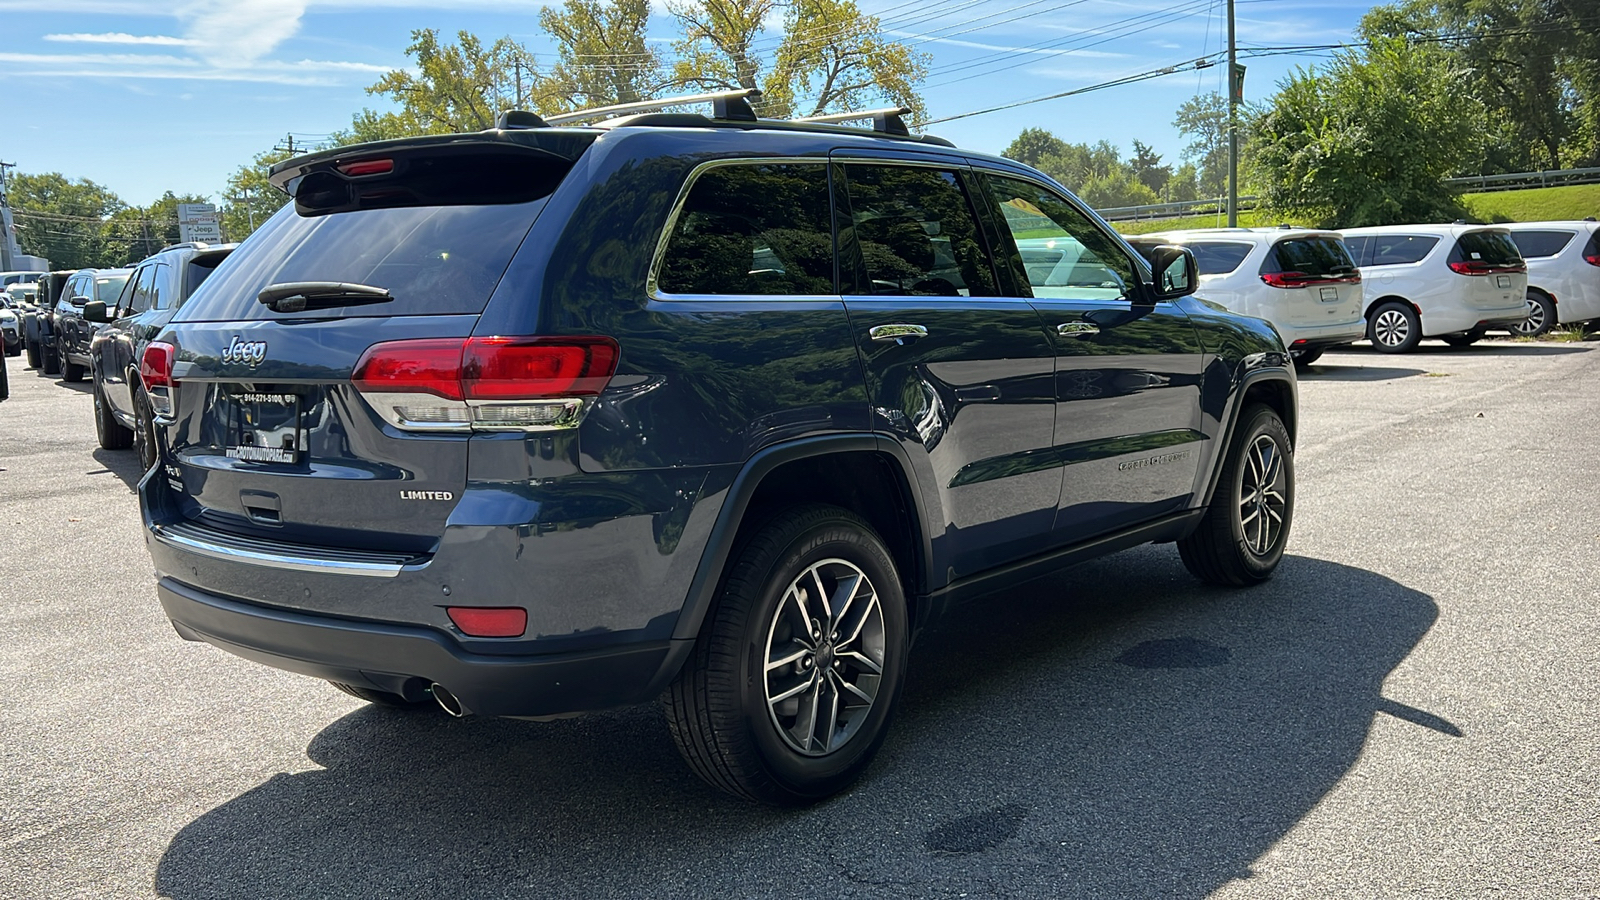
x=1534 y=323
x=1391 y=328
x=1261 y=495
x=824 y=657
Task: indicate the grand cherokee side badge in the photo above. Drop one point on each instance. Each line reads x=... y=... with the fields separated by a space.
x=250 y=353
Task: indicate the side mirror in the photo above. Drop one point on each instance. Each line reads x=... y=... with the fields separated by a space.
x=79 y=301
x=95 y=311
x=1177 y=274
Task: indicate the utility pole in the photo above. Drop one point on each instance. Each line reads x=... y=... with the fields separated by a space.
x=1235 y=84
x=288 y=139
x=7 y=238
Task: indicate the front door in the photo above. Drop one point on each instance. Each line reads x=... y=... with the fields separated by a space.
x=958 y=375
x=1128 y=370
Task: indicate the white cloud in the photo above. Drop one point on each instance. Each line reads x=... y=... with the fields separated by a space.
x=233 y=33
x=305 y=72
x=118 y=37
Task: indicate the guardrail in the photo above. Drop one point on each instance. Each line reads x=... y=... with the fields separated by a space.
x=1172 y=210
x=1515 y=180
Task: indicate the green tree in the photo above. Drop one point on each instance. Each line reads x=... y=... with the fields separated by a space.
x=831 y=58
x=604 y=58
x=1183 y=185
x=1146 y=166
x=1368 y=139
x=1204 y=120
x=249 y=198
x=453 y=87
x=1032 y=145
x=64 y=220
x=1118 y=187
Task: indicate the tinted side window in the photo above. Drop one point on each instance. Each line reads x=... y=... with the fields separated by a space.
x=1063 y=252
x=107 y=289
x=1219 y=257
x=917 y=232
x=1359 y=246
x=136 y=297
x=1400 y=249
x=1541 y=243
x=1315 y=256
x=1491 y=247
x=753 y=229
x=161 y=287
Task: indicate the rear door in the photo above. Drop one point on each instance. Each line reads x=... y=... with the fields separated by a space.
x=1127 y=384
x=1498 y=276
x=959 y=375
x=271 y=437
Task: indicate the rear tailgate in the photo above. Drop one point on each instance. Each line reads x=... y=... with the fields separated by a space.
x=271 y=441
x=1319 y=281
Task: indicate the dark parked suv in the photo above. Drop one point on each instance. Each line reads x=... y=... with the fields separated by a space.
x=542 y=420
x=152 y=294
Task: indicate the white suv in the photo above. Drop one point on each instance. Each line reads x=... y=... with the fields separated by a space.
x=1302 y=281
x=1563 y=272
x=1453 y=282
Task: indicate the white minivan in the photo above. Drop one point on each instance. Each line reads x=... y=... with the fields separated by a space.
x=1563 y=273
x=1301 y=280
x=1453 y=282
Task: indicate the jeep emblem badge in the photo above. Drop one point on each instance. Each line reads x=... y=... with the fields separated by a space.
x=249 y=353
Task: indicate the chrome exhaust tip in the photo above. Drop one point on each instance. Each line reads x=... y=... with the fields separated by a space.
x=446 y=700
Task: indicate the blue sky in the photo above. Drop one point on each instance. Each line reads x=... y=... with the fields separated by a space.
x=145 y=97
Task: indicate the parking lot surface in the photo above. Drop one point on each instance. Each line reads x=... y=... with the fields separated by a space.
x=1408 y=708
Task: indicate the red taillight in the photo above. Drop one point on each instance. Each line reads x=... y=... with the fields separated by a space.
x=155 y=366
x=1592 y=259
x=485 y=383
x=1286 y=279
x=502 y=368
x=429 y=366
x=367 y=167
x=480 y=621
x=1478 y=267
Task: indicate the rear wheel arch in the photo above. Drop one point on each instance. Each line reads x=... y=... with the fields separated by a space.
x=858 y=472
x=1386 y=298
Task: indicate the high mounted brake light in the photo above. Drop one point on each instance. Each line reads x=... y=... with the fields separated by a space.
x=485 y=383
x=366 y=167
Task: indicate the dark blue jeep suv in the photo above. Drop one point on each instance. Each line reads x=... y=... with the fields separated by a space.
x=543 y=420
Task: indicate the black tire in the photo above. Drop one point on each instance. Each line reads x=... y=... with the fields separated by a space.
x=1305 y=358
x=718 y=708
x=1541 y=315
x=1466 y=339
x=1224 y=550
x=113 y=435
x=1394 y=327
x=52 y=360
x=144 y=437
x=35 y=356
x=71 y=371
x=15 y=350
x=381 y=698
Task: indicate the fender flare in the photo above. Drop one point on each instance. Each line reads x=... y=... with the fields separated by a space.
x=1231 y=420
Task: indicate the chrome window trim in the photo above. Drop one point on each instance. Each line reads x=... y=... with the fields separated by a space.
x=274 y=561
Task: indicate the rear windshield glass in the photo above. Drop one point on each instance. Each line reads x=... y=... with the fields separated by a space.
x=1492 y=247
x=433 y=259
x=1534 y=244
x=1314 y=256
x=1218 y=257
x=1401 y=249
x=108 y=289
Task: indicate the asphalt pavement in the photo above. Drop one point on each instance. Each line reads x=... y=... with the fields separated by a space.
x=1408 y=709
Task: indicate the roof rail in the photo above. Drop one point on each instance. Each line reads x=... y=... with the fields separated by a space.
x=725 y=105
x=886 y=120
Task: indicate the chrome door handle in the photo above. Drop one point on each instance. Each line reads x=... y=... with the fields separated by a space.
x=896 y=332
x=1077 y=329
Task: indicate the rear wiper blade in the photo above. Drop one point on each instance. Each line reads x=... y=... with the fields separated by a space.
x=295 y=296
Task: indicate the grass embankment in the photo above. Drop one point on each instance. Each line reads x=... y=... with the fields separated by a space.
x=1573 y=201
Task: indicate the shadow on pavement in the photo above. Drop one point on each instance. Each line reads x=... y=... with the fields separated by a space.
x=1320 y=371
x=1116 y=730
x=1483 y=348
x=122 y=463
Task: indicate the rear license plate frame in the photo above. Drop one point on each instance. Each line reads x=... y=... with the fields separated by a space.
x=1328 y=294
x=1502 y=281
x=261 y=422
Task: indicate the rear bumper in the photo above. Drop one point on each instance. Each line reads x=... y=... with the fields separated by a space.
x=1457 y=319
x=406 y=659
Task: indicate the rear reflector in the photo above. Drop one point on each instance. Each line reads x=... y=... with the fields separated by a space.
x=479 y=621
